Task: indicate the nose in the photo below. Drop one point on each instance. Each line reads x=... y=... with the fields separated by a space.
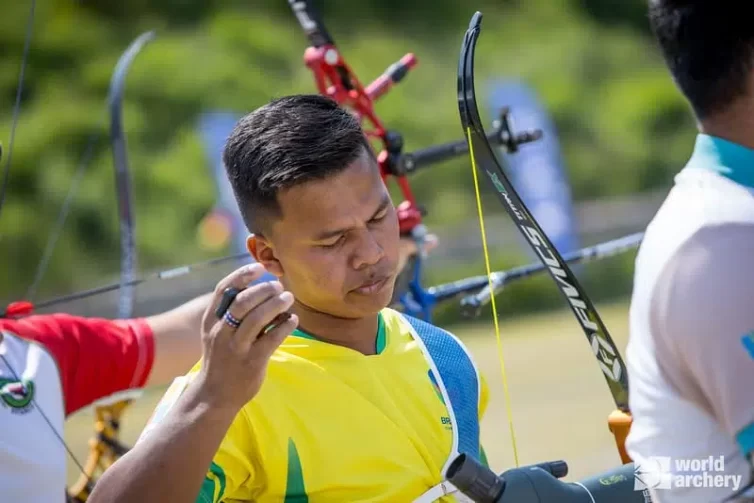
x=367 y=252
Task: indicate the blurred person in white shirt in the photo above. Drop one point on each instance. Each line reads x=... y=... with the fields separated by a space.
x=690 y=354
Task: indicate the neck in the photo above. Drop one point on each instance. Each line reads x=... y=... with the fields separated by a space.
x=735 y=124
x=358 y=334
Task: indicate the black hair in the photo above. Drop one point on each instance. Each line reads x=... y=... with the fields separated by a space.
x=287 y=142
x=708 y=47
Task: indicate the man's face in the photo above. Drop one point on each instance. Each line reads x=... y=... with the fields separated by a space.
x=336 y=245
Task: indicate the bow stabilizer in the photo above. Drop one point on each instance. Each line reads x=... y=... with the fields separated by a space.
x=482 y=157
x=471 y=305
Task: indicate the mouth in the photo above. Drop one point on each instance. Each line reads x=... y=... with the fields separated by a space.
x=372 y=287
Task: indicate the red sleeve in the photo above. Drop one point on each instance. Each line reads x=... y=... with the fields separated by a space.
x=96 y=357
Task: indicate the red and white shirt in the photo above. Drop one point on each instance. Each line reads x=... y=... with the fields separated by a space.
x=50 y=367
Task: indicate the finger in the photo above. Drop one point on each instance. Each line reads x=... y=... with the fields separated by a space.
x=272 y=339
x=250 y=298
x=239 y=278
x=257 y=320
x=246 y=301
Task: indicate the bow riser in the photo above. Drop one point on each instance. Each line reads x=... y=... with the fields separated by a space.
x=334 y=78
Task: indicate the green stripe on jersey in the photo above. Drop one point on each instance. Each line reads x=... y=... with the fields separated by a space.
x=213 y=488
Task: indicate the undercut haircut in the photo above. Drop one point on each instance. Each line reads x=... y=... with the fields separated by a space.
x=708 y=47
x=285 y=143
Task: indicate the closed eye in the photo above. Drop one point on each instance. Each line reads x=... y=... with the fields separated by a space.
x=379 y=217
x=333 y=242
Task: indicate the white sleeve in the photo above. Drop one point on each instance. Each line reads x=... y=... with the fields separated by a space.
x=703 y=312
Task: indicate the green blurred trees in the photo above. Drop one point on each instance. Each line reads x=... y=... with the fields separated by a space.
x=623 y=126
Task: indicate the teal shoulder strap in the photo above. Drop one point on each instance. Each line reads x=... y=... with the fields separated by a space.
x=458 y=380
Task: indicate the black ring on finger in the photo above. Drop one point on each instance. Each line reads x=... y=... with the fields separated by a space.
x=229 y=295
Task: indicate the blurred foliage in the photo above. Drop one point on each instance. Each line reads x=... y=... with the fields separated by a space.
x=623 y=126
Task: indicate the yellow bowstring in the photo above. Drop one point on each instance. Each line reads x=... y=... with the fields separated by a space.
x=492 y=298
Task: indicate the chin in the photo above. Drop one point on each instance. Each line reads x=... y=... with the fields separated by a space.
x=375 y=304
x=385 y=300
x=388 y=295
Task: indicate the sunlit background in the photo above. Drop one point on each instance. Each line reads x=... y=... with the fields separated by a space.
x=585 y=71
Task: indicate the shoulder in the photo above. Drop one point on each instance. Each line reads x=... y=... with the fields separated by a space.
x=712 y=269
x=421 y=329
x=698 y=199
x=437 y=341
x=43 y=328
x=81 y=341
x=403 y=321
x=62 y=327
x=704 y=221
x=702 y=291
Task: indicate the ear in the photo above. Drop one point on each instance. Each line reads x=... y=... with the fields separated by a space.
x=264 y=253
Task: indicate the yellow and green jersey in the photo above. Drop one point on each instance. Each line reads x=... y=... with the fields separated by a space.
x=331 y=424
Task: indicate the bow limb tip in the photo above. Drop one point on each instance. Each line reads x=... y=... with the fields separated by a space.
x=476 y=21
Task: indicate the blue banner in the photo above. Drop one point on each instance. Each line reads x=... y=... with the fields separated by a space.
x=537 y=170
x=215 y=127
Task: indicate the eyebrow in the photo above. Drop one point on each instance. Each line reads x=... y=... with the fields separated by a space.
x=337 y=232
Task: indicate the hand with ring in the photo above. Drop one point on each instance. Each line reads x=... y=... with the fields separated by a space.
x=241 y=329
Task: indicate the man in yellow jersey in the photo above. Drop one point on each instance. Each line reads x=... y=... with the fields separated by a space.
x=347 y=400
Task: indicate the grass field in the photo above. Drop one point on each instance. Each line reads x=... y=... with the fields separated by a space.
x=559 y=399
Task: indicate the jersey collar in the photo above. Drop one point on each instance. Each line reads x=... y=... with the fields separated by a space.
x=380 y=340
x=731 y=160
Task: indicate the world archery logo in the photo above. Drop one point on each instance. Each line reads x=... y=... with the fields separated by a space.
x=18 y=395
x=664 y=472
